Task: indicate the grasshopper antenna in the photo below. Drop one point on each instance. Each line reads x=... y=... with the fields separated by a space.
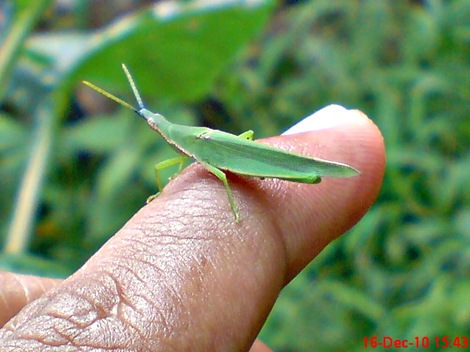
x=116 y=99
x=120 y=101
x=134 y=88
x=109 y=95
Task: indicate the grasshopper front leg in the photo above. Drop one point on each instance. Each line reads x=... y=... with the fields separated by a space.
x=163 y=165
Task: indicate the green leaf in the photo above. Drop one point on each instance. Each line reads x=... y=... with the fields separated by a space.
x=32 y=265
x=174 y=50
x=97 y=134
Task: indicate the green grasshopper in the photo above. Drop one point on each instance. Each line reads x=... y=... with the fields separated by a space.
x=220 y=151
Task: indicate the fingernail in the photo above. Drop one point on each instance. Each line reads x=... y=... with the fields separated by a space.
x=328 y=117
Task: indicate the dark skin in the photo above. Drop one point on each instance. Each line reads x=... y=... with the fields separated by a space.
x=182 y=275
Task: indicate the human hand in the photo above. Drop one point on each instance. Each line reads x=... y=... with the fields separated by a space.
x=182 y=275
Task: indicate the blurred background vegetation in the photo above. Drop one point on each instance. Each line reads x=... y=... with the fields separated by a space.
x=74 y=167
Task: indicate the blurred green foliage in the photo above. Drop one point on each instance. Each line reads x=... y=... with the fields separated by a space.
x=403 y=271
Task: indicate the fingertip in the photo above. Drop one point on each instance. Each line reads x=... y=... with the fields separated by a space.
x=330 y=116
x=308 y=214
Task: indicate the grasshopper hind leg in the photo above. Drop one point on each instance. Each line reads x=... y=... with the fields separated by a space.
x=247 y=135
x=222 y=177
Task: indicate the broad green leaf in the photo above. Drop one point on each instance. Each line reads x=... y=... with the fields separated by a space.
x=175 y=50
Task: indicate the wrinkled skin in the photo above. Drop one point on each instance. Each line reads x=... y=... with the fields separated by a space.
x=181 y=275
